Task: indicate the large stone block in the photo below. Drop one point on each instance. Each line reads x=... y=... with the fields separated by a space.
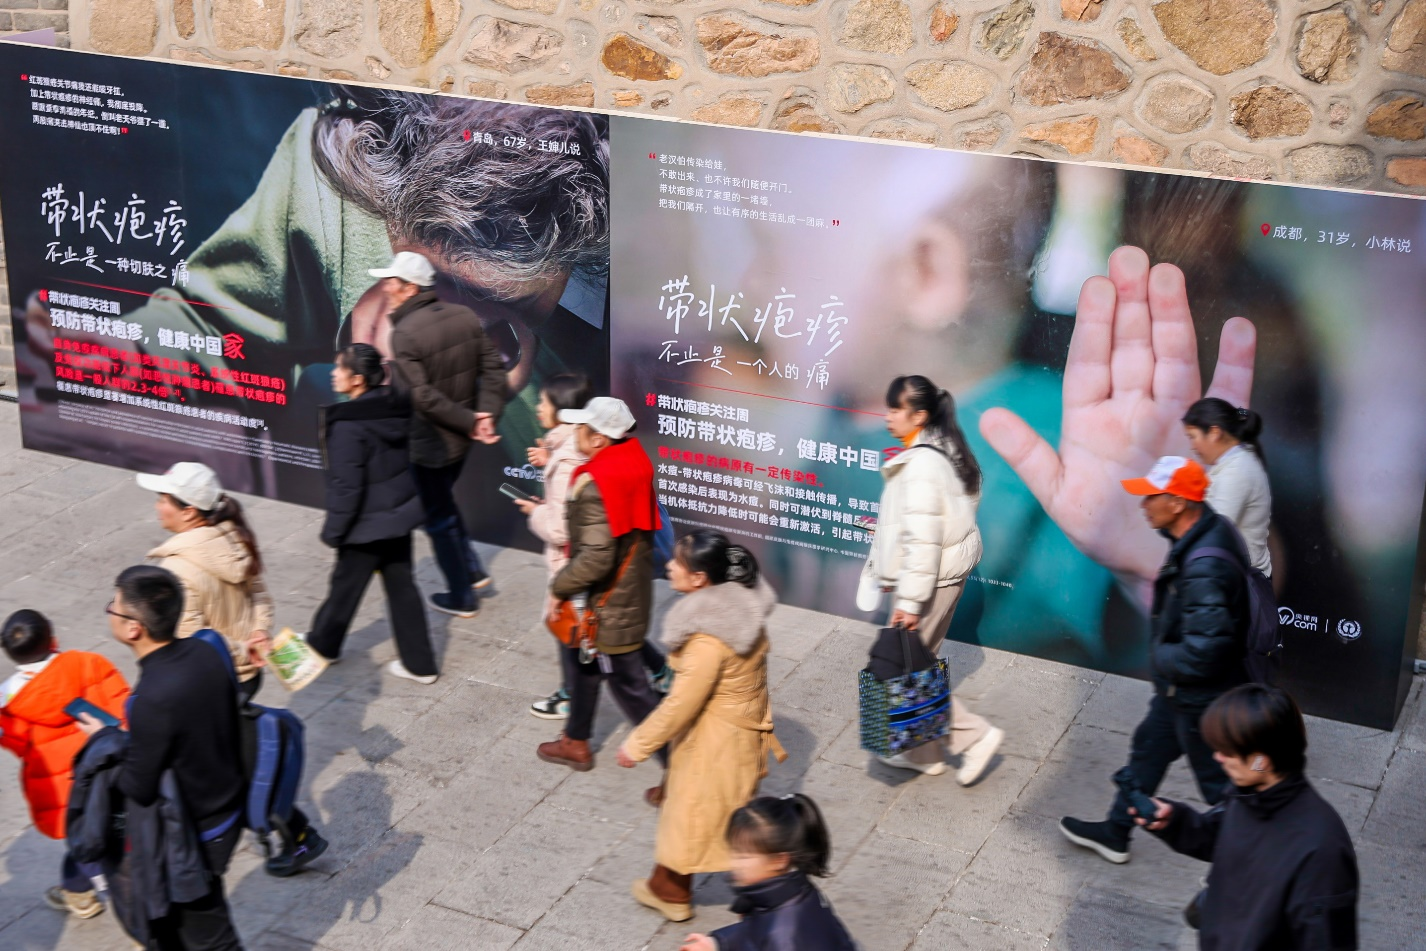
x=1221 y=36
x=123 y=27
x=1402 y=117
x=1176 y=104
x=878 y=26
x=1214 y=159
x=1066 y=69
x=329 y=28
x=413 y=32
x=854 y=86
x=1328 y=45
x=1406 y=43
x=240 y=24
x=732 y=109
x=1002 y=33
x=949 y=86
x=1330 y=164
x=1074 y=136
x=740 y=45
x=509 y=47
x=1270 y=112
x=626 y=57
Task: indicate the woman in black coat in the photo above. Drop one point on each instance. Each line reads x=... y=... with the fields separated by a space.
x=372 y=508
x=1284 y=875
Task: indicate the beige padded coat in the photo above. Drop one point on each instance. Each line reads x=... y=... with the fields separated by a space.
x=717 y=716
x=213 y=563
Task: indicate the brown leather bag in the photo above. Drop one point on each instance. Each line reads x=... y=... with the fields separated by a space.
x=567 y=626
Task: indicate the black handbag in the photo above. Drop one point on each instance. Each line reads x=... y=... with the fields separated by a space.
x=898 y=652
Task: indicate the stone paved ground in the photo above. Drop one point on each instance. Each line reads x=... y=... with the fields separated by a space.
x=448 y=833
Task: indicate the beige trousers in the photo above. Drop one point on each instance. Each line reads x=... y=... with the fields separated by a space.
x=966 y=727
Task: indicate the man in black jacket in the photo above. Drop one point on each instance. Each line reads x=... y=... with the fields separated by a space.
x=455 y=379
x=183 y=723
x=1196 y=650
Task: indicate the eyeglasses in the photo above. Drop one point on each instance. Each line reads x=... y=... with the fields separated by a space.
x=109 y=609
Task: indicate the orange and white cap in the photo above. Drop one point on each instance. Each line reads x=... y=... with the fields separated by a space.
x=1171 y=475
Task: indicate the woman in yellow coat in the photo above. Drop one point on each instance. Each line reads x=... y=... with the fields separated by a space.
x=716 y=717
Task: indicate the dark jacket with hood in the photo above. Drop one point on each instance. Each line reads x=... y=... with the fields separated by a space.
x=1199 y=618
x=1284 y=874
x=450 y=370
x=786 y=913
x=371 y=494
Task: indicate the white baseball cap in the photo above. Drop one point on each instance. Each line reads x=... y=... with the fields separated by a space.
x=192 y=483
x=603 y=414
x=410 y=267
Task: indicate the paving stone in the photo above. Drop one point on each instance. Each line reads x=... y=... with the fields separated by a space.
x=804 y=735
x=1035 y=705
x=1348 y=753
x=1097 y=920
x=1117 y=704
x=891 y=887
x=357 y=803
x=1022 y=859
x=1353 y=803
x=30 y=864
x=948 y=931
x=826 y=680
x=1390 y=913
x=974 y=669
x=43 y=929
x=794 y=632
x=441 y=929
x=936 y=810
x=1398 y=818
x=593 y=914
x=457 y=729
x=1413 y=720
x=515 y=881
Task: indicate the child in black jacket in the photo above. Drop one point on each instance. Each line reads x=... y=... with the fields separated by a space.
x=776 y=844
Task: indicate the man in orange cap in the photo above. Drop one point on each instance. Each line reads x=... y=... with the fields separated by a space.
x=1196 y=649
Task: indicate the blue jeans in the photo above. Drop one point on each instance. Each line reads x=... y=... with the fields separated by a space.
x=446 y=529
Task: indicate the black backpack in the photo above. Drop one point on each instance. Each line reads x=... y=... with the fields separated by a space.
x=1263 y=642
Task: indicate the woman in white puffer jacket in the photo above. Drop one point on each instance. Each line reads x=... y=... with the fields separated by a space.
x=926 y=545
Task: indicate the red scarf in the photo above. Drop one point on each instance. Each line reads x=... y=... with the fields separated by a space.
x=625 y=477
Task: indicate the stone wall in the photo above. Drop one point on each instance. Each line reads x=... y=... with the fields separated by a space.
x=1316 y=91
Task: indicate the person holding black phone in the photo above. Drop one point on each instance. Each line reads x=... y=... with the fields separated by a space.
x=372 y=508
x=39 y=704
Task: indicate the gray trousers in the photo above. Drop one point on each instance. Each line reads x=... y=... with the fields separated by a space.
x=966 y=727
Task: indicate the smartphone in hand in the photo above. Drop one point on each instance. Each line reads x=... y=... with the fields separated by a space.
x=79 y=705
x=519 y=495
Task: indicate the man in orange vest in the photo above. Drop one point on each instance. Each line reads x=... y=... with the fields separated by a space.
x=34 y=726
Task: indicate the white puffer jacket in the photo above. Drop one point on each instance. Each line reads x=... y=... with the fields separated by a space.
x=926 y=536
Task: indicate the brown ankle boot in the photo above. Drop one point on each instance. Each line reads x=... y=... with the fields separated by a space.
x=566 y=752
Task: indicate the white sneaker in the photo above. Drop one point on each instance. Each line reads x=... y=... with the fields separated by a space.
x=978 y=757
x=398 y=669
x=899 y=761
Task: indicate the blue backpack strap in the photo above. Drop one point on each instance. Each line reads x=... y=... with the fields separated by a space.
x=217 y=642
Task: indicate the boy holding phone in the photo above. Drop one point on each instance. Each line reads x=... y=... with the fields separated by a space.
x=37 y=726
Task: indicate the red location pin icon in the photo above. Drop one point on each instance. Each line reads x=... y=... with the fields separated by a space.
x=1266 y=228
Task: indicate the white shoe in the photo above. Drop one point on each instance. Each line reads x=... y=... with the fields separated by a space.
x=398 y=669
x=899 y=761
x=978 y=757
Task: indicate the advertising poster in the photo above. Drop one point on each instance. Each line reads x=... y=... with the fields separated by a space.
x=776 y=284
x=188 y=248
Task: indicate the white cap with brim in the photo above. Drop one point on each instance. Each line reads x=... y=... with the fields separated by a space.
x=603 y=414
x=410 y=267
x=191 y=483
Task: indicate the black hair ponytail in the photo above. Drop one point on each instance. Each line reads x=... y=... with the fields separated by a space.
x=790 y=825
x=1243 y=424
x=919 y=394
x=713 y=554
x=363 y=360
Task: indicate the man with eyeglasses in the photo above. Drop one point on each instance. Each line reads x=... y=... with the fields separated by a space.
x=183 y=720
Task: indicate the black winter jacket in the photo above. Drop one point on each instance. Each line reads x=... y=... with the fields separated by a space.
x=1284 y=874
x=371 y=494
x=450 y=370
x=786 y=913
x=151 y=855
x=1199 y=619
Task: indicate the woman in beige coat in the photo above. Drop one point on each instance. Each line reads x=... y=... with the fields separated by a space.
x=717 y=716
x=214 y=554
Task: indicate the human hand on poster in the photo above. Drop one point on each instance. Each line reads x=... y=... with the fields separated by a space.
x=484 y=431
x=1131 y=373
x=539 y=456
x=370 y=322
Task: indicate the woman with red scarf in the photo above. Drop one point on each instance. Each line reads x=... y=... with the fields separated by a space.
x=612 y=514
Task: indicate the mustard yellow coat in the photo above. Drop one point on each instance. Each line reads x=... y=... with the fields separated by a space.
x=718 y=718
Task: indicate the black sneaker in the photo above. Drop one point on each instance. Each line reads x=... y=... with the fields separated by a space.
x=1111 y=841
x=480 y=581
x=447 y=605
x=294 y=859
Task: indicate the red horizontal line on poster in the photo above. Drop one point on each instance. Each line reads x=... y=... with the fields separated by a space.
x=780 y=399
x=125 y=290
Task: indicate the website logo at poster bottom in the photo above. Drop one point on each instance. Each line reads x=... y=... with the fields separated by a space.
x=1347 y=630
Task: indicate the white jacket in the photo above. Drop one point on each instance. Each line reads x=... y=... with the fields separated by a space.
x=926 y=536
x=1238 y=490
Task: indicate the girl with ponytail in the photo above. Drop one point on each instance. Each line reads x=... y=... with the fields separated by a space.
x=925 y=547
x=1225 y=437
x=716 y=719
x=778 y=844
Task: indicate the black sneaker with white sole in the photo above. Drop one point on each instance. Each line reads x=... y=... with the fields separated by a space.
x=1109 y=840
x=480 y=581
x=448 y=605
